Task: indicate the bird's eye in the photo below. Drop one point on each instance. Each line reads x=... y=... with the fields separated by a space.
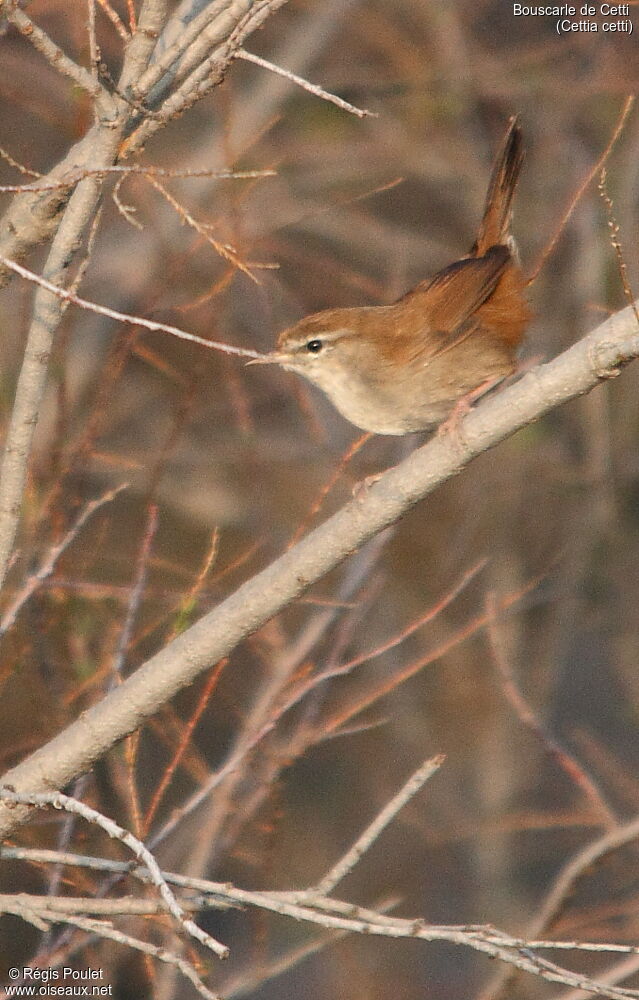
x=314 y=346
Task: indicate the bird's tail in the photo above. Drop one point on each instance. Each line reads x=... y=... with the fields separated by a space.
x=495 y=224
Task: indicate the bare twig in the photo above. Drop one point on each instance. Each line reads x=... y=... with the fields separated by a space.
x=189 y=729
x=340 y=915
x=140 y=48
x=615 y=240
x=269 y=706
x=74 y=176
x=31 y=219
x=208 y=71
x=193 y=42
x=592 y=173
x=31 y=382
x=115 y=19
x=613 y=974
x=379 y=824
x=148 y=324
x=312 y=88
x=564 y=758
x=51 y=52
x=223 y=249
x=396 y=640
x=122 y=906
x=105 y=930
x=74 y=806
x=338 y=472
x=18 y=166
x=94 y=49
x=126 y=211
x=35 y=580
x=563 y=887
x=133 y=20
x=137 y=591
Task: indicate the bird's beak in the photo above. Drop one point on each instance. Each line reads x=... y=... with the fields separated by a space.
x=274 y=358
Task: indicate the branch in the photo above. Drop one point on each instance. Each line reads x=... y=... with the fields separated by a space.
x=53 y=53
x=379 y=824
x=64 y=295
x=47 y=311
x=312 y=88
x=35 y=579
x=33 y=217
x=573 y=373
x=208 y=28
x=137 y=848
x=42 y=916
x=140 y=47
x=562 y=889
x=339 y=915
x=71 y=178
x=206 y=75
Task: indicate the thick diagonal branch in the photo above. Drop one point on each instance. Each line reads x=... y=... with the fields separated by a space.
x=575 y=372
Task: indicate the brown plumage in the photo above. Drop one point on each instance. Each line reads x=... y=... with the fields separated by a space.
x=404 y=367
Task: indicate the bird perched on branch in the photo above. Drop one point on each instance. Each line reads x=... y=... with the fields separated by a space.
x=409 y=366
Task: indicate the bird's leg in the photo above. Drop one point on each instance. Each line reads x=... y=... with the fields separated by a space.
x=451 y=424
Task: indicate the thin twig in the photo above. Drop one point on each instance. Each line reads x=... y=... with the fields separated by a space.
x=613 y=974
x=592 y=173
x=312 y=88
x=83 y=265
x=278 y=709
x=48 y=565
x=400 y=637
x=148 y=324
x=185 y=740
x=68 y=804
x=381 y=821
x=526 y=714
x=615 y=231
x=337 y=914
x=133 y=22
x=73 y=176
x=105 y=930
x=126 y=211
x=63 y=839
x=337 y=473
x=137 y=591
x=223 y=249
x=18 y=166
x=115 y=19
x=563 y=888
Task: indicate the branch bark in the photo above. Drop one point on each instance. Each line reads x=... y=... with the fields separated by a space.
x=47 y=311
x=34 y=217
x=575 y=372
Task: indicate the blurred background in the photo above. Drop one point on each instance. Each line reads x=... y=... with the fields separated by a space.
x=539 y=539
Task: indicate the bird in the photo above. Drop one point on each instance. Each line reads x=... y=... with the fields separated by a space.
x=422 y=361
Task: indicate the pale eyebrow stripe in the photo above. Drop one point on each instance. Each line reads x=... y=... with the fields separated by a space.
x=328 y=338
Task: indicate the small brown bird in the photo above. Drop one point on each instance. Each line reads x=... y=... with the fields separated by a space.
x=411 y=365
